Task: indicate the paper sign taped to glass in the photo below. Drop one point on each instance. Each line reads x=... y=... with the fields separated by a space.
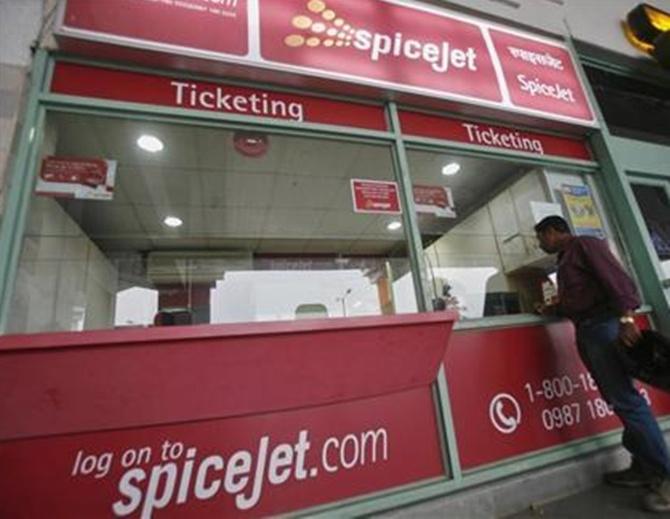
x=435 y=200
x=77 y=177
x=582 y=211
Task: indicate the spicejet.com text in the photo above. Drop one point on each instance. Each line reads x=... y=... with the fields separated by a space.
x=182 y=475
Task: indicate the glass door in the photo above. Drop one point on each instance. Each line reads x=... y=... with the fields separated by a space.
x=653 y=199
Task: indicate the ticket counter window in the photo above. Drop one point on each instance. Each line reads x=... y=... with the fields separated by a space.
x=477 y=216
x=135 y=224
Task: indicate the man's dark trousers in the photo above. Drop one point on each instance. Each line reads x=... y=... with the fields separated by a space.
x=642 y=436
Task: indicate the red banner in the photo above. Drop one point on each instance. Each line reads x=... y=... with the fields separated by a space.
x=530 y=392
x=136 y=87
x=219 y=26
x=249 y=419
x=251 y=466
x=486 y=135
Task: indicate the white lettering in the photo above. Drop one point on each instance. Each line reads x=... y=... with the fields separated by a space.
x=243 y=502
x=152 y=501
x=324 y=454
x=126 y=488
x=199 y=97
x=440 y=56
x=536 y=87
x=200 y=490
x=180 y=91
x=238 y=465
x=281 y=458
x=502 y=138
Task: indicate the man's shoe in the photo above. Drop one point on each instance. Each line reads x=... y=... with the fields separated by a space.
x=658 y=500
x=634 y=476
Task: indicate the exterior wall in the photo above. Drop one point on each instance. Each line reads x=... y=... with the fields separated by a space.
x=642 y=157
x=19 y=26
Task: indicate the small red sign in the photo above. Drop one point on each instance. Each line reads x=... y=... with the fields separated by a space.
x=77 y=177
x=380 y=41
x=486 y=135
x=541 y=76
x=102 y=83
x=375 y=196
x=531 y=392
x=436 y=200
x=211 y=25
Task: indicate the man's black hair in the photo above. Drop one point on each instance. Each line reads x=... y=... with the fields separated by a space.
x=557 y=223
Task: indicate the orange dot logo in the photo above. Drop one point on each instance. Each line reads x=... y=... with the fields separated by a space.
x=319 y=26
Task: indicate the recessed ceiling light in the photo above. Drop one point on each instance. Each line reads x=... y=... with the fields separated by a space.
x=451 y=169
x=150 y=143
x=173 y=221
x=394 y=226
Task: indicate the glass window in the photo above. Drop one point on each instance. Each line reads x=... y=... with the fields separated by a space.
x=632 y=107
x=477 y=216
x=654 y=203
x=138 y=223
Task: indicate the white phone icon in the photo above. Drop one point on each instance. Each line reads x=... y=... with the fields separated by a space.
x=505 y=422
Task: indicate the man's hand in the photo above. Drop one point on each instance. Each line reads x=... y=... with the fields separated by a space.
x=543 y=309
x=629 y=333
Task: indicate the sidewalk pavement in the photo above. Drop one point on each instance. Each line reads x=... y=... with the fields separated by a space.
x=601 y=501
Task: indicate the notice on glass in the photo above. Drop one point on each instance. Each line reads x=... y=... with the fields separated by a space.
x=582 y=211
x=375 y=196
x=76 y=177
x=435 y=200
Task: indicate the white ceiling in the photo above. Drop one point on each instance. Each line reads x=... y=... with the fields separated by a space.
x=296 y=199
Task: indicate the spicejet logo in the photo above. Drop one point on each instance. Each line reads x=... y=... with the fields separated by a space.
x=320 y=26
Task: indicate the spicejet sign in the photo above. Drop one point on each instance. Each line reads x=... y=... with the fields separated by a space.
x=355 y=39
x=384 y=43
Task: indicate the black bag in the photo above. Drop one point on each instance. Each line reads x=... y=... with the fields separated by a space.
x=648 y=359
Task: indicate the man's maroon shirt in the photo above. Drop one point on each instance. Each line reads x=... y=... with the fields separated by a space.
x=591 y=282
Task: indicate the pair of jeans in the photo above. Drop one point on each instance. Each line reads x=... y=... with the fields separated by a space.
x=642 y=436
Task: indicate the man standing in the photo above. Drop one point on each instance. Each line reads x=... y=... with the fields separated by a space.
x=597 y=294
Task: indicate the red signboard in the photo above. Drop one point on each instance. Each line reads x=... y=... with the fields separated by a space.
x=380 y=41
x=486 y=135
x=530 y=392
x=136 y=87
x=248 y=466
x=540 y=76
x=422 y=50
x=218 y=26
x=232 y=420
x=375 y=196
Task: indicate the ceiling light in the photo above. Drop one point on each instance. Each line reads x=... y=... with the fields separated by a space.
x=173 y=221
x=394 y=226
x=451 y=169
x=150 y=143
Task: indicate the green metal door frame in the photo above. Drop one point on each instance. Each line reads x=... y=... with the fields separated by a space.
x=663 y=183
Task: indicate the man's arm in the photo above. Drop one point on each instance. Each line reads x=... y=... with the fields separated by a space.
x=617 y=284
